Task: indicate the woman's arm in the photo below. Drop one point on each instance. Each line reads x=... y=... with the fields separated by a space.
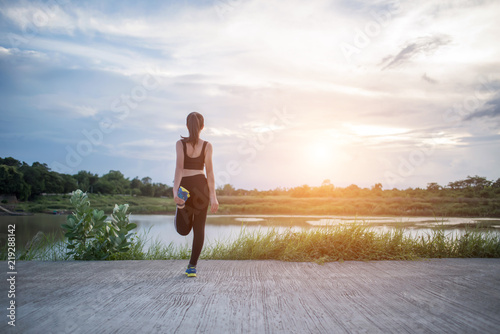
x=179 y=167
x=214 y=204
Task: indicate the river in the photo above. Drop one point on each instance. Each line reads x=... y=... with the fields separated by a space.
x=227 y=228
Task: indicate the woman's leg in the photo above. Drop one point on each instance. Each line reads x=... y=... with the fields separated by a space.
x=198 y=236
x=199 y=205
x=183 y=221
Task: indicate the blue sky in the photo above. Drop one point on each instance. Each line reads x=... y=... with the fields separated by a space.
x=397 y=92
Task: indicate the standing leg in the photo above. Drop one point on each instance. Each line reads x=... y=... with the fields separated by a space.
x=199 y=203
x=198 y=236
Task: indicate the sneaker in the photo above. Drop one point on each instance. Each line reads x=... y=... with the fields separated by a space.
x=191 y=271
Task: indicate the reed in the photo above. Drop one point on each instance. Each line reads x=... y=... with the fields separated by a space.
x=353 y=242
x=330 y=243
x=44 y=247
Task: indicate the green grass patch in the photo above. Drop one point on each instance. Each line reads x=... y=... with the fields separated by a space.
x=287 y=205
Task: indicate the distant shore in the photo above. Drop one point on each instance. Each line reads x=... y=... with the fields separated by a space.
x=7 y=212
x=286 y=205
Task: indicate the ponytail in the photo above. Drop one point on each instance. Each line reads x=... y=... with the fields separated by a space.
x=195 y=123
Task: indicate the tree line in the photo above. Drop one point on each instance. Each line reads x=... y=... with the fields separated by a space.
x=26 y=182
x=471 y=186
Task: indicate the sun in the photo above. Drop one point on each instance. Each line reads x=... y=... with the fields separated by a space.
x=318 y=161
x=320 y=153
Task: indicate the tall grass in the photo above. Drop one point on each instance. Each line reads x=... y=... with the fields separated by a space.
x=145 y=248
x=353 y=242
x=44 y=247
x=331 y=243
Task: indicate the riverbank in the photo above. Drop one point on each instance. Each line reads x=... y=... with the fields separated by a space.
x=438 y=296
x=6 y=212
x=345 y=242
x=361 y=206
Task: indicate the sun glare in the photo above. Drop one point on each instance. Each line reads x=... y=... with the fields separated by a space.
x=320 y=153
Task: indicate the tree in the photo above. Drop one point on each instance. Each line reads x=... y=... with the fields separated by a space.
x=477 y=182
x=9 y=161
x=86 y=180
x=147 y=190
x=93 y=179
x=352 y=190
x=54 y=183
x=228 y=190
x=135 y=183
x=456 y=185
x=302 y=191
x=326 y=183
x=35 y=177
x=104 y=187
x=162 y=190
x=119 y=184
x=326 y=188
x=433 y=187
x=12 y=182
x=376 y=190
x=69 y=183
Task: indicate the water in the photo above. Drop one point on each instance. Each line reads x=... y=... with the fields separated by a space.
x=227 y=228
x=162 y=227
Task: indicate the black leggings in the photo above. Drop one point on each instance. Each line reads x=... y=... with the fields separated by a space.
x=194 y=214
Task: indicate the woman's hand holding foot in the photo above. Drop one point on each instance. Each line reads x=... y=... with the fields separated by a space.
x=180 y=202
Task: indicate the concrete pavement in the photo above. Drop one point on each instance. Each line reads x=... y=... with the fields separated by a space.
x=428 y=296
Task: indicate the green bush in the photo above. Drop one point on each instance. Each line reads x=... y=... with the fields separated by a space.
x=91 y=236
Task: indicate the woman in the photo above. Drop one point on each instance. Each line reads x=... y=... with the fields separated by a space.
x=193 y=154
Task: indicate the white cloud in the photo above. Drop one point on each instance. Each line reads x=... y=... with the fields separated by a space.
x=35 y=17
x=15 y=52
x=374 y=130
x=146 y=149
x=4 y=51
x=238 y=66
